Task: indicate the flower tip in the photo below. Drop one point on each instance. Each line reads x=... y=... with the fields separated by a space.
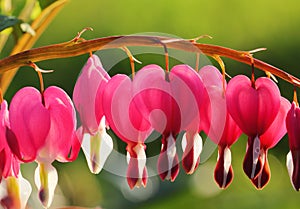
x=43 y=196
x=46 y=179
x=192 y=147
x=166 y=174
x=252 y=164
x=223 y=180
x=97 y=149
x=223 y=172
x=292 y=163
x=168 y=164
x=263 y=178
x=137 y=182
x=137 y=171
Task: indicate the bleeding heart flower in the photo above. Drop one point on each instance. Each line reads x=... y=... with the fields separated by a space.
x=128 y=124
x=42 y=128
x=9 y=165
x=14 y=189
x=222 y=128
x=87 y=96
x=254 y=107
x=268 y=140
x=170 y=102
x=293 y=157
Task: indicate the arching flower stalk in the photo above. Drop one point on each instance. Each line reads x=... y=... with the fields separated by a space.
x=222 y=129
x=88 y=96
x=42 y=129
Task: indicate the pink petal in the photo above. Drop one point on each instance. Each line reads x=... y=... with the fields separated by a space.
x=153 y=95
x=29 y=121
x=293 y=158
x=189 y=93
x=253 y=109
x=231 y=132
x=293 y=126
x=85 y=93
x=62 y=129
x=278 y=128
x=8 y=163
x=212 y=80
x=119 y=106
x=222 y=128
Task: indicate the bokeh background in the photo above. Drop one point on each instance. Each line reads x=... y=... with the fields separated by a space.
x=243 y=25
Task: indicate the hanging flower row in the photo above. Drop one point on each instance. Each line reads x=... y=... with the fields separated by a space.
x=41 y=126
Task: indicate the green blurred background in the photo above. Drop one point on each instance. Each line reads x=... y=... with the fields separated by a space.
x=243 y=25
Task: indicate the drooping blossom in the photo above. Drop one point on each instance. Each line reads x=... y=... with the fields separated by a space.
x=87 y=97
x=268 y=140
x=14 y=189
x=42 y=129
x=254 y=107
x=189 y=91
x=169 y=103
x=127 y=122
x=293 y=157
x=9 y=165
x=222 y=129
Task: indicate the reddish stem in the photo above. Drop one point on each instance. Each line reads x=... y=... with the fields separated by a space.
x=71 y=49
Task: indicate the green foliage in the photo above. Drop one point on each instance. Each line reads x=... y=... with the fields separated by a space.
x=8 y=21
x=46 y=3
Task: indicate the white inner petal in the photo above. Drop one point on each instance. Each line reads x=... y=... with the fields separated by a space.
x=255 y=155
x=141 y=157
x=171 y=153
x=46 y=187
x=227 y=164
x=96 y=149
x=290 y=166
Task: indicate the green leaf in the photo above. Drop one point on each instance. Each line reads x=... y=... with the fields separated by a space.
x=8 y=21
x=46 y=3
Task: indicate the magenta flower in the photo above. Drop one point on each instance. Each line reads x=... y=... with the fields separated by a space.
x=222 y=129
x=127 y=122
x=87 y=96
x=42 y=128
x=170 y=103
x=268 y=140
x=9 y=165
x=254 y=107
x=14 y=189
x=293 y=157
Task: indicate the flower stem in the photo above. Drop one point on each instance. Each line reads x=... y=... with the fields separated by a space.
x=71 y=49
x=295 y=97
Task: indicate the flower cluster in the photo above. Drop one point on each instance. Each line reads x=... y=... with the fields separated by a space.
x=41 y=126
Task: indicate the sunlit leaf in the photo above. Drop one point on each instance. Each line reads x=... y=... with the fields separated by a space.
x=8 y=21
